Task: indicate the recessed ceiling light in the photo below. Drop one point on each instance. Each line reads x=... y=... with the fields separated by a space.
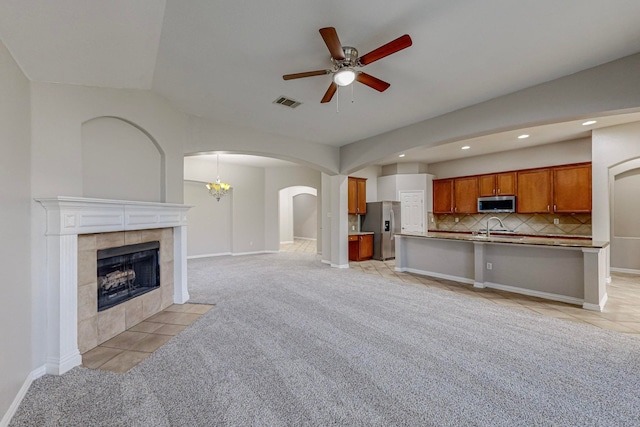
x=589 y=122
x=523 y=136
x=466 y=147
x=401 y=155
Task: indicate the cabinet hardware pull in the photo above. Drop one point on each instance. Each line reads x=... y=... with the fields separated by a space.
x=494 y=191
x=498 y=191
x=547 y=208
x=554 y=208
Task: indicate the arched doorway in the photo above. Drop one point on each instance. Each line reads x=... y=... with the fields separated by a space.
x=298 y=219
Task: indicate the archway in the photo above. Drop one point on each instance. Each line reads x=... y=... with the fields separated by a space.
x=298 y=219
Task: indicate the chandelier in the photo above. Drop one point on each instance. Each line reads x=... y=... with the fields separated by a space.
x=218 y=188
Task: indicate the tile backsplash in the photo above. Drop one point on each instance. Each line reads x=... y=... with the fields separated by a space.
x=568 y=224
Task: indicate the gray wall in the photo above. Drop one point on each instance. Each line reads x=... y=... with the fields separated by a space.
x=120 y=162
x=15 y=193
x=209 y=231
x=615 y=152
x=305 y=216
x=574 y=151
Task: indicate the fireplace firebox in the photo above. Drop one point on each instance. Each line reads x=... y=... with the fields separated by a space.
x=126 y=272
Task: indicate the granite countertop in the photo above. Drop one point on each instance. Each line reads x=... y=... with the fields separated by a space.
x=359 y=233
x=513 y=239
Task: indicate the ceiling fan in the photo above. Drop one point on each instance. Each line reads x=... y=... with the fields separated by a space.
x=345 y=60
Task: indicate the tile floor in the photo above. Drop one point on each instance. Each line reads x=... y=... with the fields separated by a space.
x=126 y=350
x=621 y=313
x=300 y=245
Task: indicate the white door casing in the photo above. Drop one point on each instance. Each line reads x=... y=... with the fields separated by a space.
x=412 y=210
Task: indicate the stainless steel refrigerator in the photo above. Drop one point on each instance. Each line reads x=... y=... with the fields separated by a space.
x=383 y=218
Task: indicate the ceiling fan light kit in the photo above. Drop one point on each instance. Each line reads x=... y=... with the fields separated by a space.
x=344 y=77
x=345 y=61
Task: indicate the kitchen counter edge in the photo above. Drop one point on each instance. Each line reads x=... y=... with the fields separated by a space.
x=520 y=240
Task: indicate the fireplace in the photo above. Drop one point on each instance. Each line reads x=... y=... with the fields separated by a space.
x=126 y=272
x=76 y=228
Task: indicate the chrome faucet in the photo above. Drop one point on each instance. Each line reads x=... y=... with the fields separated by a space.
x=489 y=220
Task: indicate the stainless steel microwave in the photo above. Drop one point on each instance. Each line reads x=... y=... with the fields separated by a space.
x=497 y=204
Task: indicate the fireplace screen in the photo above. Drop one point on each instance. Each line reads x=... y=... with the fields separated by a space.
x=126 y=272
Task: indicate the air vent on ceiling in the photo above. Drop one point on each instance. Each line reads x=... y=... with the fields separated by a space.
x=287 y=102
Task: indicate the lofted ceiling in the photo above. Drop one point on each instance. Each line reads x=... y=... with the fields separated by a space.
x=224 y=60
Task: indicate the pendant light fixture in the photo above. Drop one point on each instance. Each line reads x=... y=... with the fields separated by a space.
x=218 y=188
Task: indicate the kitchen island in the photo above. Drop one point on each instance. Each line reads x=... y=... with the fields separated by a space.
x=564 y=269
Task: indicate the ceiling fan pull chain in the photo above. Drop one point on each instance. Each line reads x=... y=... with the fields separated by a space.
x=352 y=89
x=338 y=101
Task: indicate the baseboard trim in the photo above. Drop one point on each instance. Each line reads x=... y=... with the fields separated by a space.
x=286 y=242
x=437 y=275
x=534 y=293
x=209 y=255
x=324 y=261
x=339 y=265
x=625 y=270
x=248 y=253
x=304 y=238
x=33 y=375
x=596 y=307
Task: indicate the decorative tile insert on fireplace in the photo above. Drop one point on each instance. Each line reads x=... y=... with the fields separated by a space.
x=96 y=326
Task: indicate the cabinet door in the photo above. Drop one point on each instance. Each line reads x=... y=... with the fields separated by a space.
x=443 y=196
x=506 y=184
x=466 y=195
x=487 y=185
x=366 y=246
x=534 y=191
x=353 y=195
x=361 y=207
x=572 y=189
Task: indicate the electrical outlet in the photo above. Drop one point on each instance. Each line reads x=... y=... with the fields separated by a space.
x=433 y=220
x=457 y=220
x=489 y=266
x=353 y=228
x=556 y=221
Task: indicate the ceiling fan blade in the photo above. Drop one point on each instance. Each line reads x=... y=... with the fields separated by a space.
x=400 y=43
x=330 y=92
x=305 y=74
x=372 y=82
x=330 y=37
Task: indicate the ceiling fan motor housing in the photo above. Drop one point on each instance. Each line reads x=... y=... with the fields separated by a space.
x=350 y=58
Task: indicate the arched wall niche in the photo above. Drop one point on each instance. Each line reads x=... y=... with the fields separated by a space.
x=122 y=161
x=624 y=182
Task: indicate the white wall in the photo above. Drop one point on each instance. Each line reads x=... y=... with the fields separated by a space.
x=119 y=161
x=616 y=150
x=15 y=193
x=305 y=216
x=560 y=153
x=209 y=231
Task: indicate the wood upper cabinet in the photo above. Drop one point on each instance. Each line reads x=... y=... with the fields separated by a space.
x=465 y=192
x=458 y=195
x=499 y=184
x=572 y=189
x=357 y=195
x=360 y=247
x=443 y=196
x=534 y=191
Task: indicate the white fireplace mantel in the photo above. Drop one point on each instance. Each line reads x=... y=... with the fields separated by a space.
x=67 y=217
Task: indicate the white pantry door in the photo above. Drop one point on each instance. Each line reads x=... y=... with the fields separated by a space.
x=412 y=211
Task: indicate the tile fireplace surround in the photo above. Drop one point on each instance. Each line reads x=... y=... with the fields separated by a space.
x=68 y=217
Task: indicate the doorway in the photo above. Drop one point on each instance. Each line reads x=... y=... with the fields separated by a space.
x=298 y=219
x=412 y=211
